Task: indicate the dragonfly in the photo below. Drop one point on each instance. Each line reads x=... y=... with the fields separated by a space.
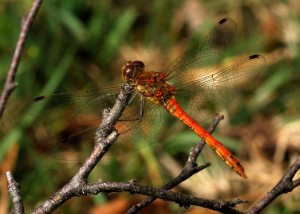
x=193 y=88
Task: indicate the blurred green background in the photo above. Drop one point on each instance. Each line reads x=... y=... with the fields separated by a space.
x=76 y=45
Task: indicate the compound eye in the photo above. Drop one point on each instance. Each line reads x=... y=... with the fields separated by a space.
x=131 y=70
x=128 y=71
x=127 y=63
x=138 y=64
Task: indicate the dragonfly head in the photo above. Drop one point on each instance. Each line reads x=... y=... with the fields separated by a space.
x=131 y=70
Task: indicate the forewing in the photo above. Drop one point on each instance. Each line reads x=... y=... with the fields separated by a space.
x=207 y=53
x=203 y=87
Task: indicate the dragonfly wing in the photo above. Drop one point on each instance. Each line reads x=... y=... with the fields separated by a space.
x=207 y=53
x=198 y=70
x=81 y=112
x=75 y=147
x=218 y=87
x=137 y=134
x=85 y=105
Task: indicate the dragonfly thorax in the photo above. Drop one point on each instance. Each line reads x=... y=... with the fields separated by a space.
x=154 y=87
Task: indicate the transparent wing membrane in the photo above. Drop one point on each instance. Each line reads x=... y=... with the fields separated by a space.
x=218 y=87
x=205 y=54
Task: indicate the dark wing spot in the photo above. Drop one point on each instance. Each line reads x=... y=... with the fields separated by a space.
x=223 y=21
x=254 y=56
x=39 y=98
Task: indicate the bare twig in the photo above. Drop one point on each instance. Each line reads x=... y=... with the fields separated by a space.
x=10 y=83
x=13 y=188
x=285 y=185
x=105 y=137
x=190 y=168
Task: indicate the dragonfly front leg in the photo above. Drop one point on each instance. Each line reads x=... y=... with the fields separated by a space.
x=130 y=100
x=142 y=109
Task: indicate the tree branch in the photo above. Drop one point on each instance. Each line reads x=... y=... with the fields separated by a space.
x=190 y=168
x=10 y=83
x=105 y=137
x=285 y=185
x=14 y=191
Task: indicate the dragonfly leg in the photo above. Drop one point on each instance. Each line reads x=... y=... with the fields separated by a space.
x=141 y=112
x=142 y=109
x=130 y=100
x=127 y=89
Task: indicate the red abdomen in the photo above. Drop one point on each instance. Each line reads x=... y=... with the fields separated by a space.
x=174 y=108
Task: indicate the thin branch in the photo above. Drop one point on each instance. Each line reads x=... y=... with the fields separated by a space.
x=190 y=168
x=105 y=137
x=181 y=199
x=285 y=185
x=14 y=191
x=10 y=83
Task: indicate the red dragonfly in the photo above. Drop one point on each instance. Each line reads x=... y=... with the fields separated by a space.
x=192 y=89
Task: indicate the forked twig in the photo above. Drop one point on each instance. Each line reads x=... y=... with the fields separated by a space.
x=285 y=185
x=190 y=168
x=105 y=137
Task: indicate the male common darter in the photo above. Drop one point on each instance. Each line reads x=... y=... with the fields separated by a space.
x=192 y=89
